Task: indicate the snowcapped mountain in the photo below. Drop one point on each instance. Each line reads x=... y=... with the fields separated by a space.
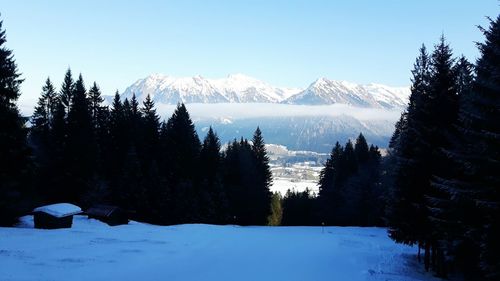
x=325 y=91
x=239 y=88
x=236 y=88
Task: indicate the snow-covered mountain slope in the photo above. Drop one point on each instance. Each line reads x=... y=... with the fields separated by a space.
x=236 y=88
x=325 y=91
x=239 y=88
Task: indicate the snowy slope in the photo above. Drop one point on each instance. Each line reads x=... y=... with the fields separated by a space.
x=325 y=91
x=239 y=88
x=94 y=251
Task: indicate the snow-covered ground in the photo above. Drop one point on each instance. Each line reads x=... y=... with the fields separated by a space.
x=281 y=185
x=94 y=251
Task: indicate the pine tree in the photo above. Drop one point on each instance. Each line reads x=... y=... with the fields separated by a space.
x=262 y=180
x=151 y=124
x=100 y=117
x=149 y=134
x=182 y=155
x=463 y=70
x=329 y=185
x=40 y=120
x=127 y=111
x=95 y=103
x=134 y=123
x=15 y=167
x=406 y=201
x=276 y=215
x=80 y=150
x=479 y=119
x=66 y=93
x=431 y=114
x=361 y=149
x=349 y=160
x=134 y=108
x=183 y=142
x=299 y=208
x=118 y=148
x=43 y=114
x=400 y=126
x=213 y=197
x=473 y=189
x=240 y=180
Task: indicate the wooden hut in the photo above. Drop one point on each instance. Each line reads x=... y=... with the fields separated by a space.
x=112 y=215
x=55 y=216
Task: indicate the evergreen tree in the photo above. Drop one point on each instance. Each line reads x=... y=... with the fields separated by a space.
x=80 y=150
x=100 y=116
x=240 y=180
x=118 y=148
x=276 y=215
x=182 y=155
x=149 y=147
x=40 y=120
x=431 y=115
x=184 y=145
x=349 y=161
x=262 y=180
x=43 y=138
x=66 y=93
x=53 y=177
x=349 y=185
x=472 y=216
x=361 y=149
x=329 y=185
x=14 y=153
x=398 y=128
x=404 y=217
x=95 y=103
x=151 y=126
x=298 y=208
x=480 y=152
x=463 y=70
x=134 y=108
x=43 y=114
x=213 y=199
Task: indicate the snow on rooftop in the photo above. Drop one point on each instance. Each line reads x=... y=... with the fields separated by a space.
x=59 y=210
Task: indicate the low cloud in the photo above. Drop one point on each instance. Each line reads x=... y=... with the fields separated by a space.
x=235 y=111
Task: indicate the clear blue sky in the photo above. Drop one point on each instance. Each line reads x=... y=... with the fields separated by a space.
x=286 y=43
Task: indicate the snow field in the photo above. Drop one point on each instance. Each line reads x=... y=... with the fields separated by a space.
x=92 y=250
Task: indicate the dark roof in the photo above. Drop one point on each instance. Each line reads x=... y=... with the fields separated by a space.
x=101 y=210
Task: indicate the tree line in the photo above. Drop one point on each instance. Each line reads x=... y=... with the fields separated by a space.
x=350 y=190
x=88 y=153
x=444 y=159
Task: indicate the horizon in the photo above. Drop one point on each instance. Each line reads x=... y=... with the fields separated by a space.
x=285 y=44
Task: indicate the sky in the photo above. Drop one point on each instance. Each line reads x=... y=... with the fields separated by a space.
x=285 y=43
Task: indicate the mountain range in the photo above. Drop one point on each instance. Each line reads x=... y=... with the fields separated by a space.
x=311 y=118
x=239 y=88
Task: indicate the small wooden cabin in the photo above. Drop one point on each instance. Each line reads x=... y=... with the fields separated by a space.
x=55 y=216
x=112 y=215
